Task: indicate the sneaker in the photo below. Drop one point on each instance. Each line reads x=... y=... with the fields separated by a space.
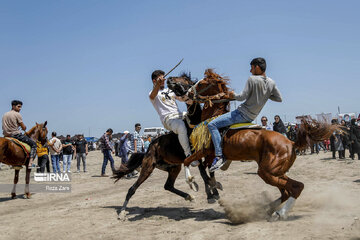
x=217 y=163
x=195 y=163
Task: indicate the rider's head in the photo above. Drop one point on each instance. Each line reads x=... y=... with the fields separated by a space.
x=258 y=66
x=16 y=105
x=155 y=75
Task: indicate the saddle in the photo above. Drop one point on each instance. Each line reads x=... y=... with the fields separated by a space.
x=200 y=138
x=25 y=147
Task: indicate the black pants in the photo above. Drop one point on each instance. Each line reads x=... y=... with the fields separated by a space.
x=341 y=154
x=27 y=140
x=42 y=161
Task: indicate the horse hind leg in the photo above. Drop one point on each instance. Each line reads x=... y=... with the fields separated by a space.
x=169 y=185
x=146 y=170
x=16 y=179
x=290 y=191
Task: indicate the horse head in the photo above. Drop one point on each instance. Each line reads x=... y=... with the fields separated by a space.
x=180 y=85
x=39 y=132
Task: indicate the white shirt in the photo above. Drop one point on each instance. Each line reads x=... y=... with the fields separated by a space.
x=165 y=106
x=57 y=145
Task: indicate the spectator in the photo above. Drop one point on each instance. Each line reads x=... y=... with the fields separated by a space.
x=147 y=141
x=264 y=123
x=336 y=142
x=55 y=149
x=137 y=145
x=81 y=151
x=345 y=138
x=106 y=149
x=355 y=139
x=43 y=156
x=123 y=150
x=68 y=150
x=279 y=126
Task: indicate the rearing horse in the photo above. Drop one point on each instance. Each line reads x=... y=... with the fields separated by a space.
x=12 y=154
x=273 y=152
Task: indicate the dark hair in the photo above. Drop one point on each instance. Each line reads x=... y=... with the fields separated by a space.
x=277 y=116
x=109 y=130
x=264 y=117
x=156 y=74
x=68 y=135
x=137 y=125
x=53 y=134
x=16 y=102
x=259 y=62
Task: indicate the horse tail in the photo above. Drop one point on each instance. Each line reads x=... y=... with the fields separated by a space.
x=311 y=130
x=134 y=162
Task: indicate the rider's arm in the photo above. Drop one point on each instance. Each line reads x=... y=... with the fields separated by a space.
x=23 y=127
x=156 y=87
x=275 y=95
x=245 y=93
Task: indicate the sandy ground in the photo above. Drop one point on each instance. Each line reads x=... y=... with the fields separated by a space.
x=327 y=209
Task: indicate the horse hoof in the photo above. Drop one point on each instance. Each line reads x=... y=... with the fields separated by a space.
x=189 y=198
x=219 y=186
x=217 y=197
x=211 y=200
x=27 y=195
x=274 y=217
x=122 y=215
x=13 y=195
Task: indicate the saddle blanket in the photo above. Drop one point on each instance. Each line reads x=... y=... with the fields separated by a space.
x=25 y=147
x=245 y=125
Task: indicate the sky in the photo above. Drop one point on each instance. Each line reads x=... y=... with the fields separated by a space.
x=85 y=65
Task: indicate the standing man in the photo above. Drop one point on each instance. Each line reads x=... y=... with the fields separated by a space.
x=264 y=123
x=123 y=151
x=168 y=110
x=107 y=149
x=258 y=89
x=43 y=156
x=68 y=150
x=137 y=144
x=55 y=149
x=11 y=122
x=81 y=151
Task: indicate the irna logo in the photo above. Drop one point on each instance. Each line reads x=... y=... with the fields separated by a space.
x=51 y=177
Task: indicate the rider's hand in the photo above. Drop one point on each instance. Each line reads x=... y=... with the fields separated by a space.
x=160 y=80
x=231 y=95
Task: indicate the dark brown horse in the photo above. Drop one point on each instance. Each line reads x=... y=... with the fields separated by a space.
x=166 y=153
x=273 y=152
x=14 y=155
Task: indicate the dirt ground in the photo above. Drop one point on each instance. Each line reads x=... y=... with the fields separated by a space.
x=328 y=208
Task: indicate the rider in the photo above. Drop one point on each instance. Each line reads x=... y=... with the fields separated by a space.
x=11 y=122
x=168 y=110
x=258 y=89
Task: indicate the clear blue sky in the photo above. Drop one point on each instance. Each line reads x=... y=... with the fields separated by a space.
x=84 y=65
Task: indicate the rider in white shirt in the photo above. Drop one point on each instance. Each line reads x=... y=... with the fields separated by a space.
x=171 y=117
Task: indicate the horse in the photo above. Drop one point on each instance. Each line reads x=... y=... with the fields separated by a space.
x=166 y=153
x=273 y=152
x=13 y=154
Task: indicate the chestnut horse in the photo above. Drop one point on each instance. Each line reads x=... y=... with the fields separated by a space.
x=166 y=153
x=272 y=151
x=12 y=154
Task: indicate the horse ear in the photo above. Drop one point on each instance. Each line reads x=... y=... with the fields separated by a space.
x=45 y=123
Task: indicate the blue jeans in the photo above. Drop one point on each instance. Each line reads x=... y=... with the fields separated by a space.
x=67 y=162
x=79 y=157
x=224 y=120
x=107 y=157
x=55 y=161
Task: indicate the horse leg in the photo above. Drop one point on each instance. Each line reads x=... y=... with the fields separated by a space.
x=289 y=188
x=16 y=179
x=215 y=185
x=169 y=185
x=27 y=181
x=206 y=179
x=147 y=168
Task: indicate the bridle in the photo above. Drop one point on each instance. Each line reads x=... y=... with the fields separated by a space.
x=210 y=99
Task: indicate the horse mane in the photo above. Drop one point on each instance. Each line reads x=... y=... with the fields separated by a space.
x=31 y=131
x=212 y=77
x=187 y=75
